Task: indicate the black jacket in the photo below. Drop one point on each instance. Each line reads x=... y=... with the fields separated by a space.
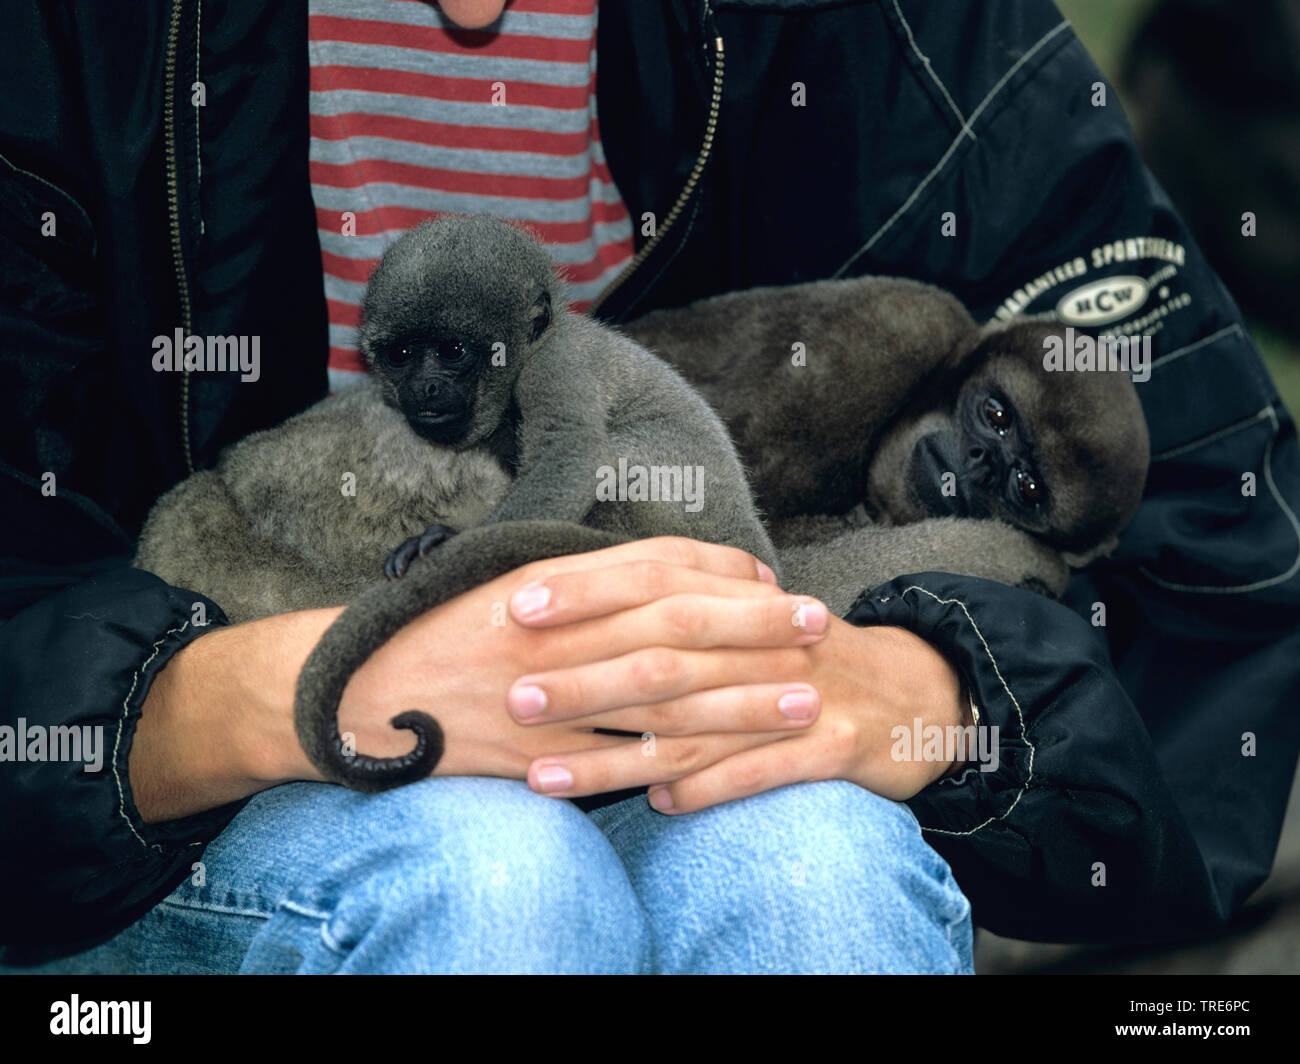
x=1122 y=746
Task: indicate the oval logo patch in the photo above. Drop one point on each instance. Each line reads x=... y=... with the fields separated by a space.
x=1099 y=302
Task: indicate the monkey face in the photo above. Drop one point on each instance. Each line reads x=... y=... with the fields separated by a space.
x=435 y=382
x=1062 y=456
x=450 y=312
x=982 y=462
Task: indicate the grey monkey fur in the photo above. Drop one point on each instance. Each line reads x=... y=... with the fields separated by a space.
x=843 y=557
x=270 y=530
x=882 y=405
x=446 y=433
x=805 y=432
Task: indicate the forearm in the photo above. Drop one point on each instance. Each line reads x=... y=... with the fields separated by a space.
x=217 y=723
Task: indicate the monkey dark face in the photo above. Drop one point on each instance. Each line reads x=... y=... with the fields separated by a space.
x=982 y=465
x=1060 y=455
x=450 y=312
x=434 y=382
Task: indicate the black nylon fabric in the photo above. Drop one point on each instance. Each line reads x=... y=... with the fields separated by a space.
x=85 y=852
x=81 y=101
x=1121 y=744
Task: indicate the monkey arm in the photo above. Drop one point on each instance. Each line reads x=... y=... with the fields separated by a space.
x=558 y=480
x=880 y=336
x=564 y=393
x=839 y=568
x=807 y=376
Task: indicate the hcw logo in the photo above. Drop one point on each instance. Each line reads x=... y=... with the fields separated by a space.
x=1103 y=301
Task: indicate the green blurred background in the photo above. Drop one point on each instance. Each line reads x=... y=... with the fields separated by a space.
x=1106 y=27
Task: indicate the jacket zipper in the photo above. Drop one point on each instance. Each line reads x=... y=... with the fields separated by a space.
x=701 y=160
x=174 y=217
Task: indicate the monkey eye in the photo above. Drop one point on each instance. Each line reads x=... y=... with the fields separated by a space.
x=452 y=351
x=1030 y=491
x=997 y=415
x=399 y=356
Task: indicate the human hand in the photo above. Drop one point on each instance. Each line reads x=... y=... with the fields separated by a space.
x=871 y=679
x=868 y=680
x=647 y=636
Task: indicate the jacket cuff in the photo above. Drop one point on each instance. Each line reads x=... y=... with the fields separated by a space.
x=968 y=620
x=167 y=836
x=78 y=665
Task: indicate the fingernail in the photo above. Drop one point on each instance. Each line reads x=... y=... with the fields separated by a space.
x=661 y=799
x=530 y=600
x=813 y=618
x=527 y=701
x=765 y=573
x=551 y=778
x=798 y=705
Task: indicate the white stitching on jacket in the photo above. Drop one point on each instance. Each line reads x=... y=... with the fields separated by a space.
x=1241 y=589
x=1187 y=349
x=64 y=195
x=121 y=723
x=925 y=62
x=1262 y=414
x=1024 y=731
x=943 y=160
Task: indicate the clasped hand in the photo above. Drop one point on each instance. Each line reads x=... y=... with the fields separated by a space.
x=721 y=684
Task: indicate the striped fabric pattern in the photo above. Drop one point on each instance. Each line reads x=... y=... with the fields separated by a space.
x=412 y=117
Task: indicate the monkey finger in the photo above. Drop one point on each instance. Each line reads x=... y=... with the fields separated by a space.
x=654 y=759
x=581 y=595
x=749 y=708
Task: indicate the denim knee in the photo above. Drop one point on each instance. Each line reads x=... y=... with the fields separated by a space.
x=816 y=877
x=458 y=875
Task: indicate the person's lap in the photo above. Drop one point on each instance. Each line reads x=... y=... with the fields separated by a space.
x=482 y=875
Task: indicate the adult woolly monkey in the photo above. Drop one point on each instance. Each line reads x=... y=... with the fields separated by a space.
x=958 y=449
x=490 y=403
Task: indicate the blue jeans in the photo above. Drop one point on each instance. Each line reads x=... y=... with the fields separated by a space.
x=463 y=874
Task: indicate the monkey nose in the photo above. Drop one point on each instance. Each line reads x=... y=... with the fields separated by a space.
x=979 y=465
x=431 y=390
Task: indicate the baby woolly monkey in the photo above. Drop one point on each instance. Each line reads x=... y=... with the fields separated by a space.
x=962 y=450
x=489 y=403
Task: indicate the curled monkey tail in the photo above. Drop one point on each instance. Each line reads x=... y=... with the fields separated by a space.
x=462 y=563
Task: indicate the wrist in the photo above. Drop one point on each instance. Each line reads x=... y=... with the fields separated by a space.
x=932 y=693
x=262 y=668
x=970 y=719
x=217 y=722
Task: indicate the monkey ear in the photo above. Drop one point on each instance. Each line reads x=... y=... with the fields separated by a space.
x=539 y=314
x=1086 y=558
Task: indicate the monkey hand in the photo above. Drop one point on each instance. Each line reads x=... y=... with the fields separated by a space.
x=397 y=562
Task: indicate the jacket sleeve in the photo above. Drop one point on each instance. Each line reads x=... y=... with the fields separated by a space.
x=1148 y=727
x=1066 y=830
x=78 y=862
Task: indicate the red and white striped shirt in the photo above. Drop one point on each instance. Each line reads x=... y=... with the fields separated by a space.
x=412 y=117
